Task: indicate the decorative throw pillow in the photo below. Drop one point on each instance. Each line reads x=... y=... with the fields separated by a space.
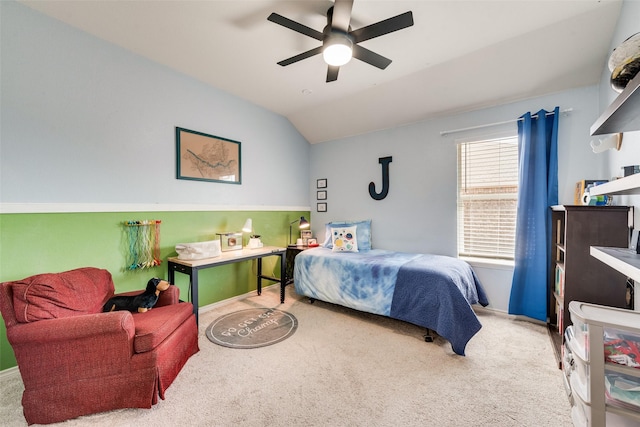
x=344 y=239
x=363 y=233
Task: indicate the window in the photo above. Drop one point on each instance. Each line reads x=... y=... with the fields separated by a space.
x=487 y=198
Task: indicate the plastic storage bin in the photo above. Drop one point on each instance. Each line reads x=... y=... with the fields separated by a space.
x=579 y=380
x=580 y=414
x=580 y=338
x=622 y=390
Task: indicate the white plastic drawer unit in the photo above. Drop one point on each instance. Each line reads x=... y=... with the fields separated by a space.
x=605 y=377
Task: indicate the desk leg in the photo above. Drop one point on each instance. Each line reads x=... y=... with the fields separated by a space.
x=259 y=284
x=193 y=283
x=171 y=275
x=283 y=279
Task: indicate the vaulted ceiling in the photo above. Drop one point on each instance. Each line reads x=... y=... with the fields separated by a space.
x=458 y=56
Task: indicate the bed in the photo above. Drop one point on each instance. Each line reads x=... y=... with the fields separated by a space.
x=432 y=291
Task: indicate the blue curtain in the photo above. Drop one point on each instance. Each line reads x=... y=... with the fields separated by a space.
x=537 y=190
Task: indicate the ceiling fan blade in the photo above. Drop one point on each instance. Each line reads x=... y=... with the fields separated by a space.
x=301 y=56
x=381 y=28
x=341 y=15
x=372 y=58
x=332 y=73
x=295 y=26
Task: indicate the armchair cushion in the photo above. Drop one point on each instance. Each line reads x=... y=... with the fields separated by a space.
x=67 y=294
x=155 y=325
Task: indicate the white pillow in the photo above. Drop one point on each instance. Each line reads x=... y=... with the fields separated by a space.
x=344 y=239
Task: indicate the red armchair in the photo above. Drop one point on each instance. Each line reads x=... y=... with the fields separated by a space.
x=75 y=360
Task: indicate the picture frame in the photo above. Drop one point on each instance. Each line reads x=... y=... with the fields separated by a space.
x=204 y=157
x=230 y=241
x=321 y=195
x=321 y=207
x=321 y=183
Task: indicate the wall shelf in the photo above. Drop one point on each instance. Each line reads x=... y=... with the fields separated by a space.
x=624 y=260
x=627 y=185
x=622 y=115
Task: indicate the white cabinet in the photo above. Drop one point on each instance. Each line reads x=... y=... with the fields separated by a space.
x=602 y=386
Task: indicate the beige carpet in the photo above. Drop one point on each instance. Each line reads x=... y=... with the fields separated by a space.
x=344 y=368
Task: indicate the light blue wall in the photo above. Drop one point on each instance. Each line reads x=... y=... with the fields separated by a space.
x=419 y=214
x=84 y=121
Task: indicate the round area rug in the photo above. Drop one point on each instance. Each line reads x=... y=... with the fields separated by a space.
x=251 y=328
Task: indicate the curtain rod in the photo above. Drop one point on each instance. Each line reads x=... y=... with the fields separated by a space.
x=447 y=132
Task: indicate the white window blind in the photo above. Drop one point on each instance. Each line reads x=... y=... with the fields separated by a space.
x=487 y=198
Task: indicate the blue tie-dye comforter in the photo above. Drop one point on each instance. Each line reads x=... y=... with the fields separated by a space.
x=432 y=291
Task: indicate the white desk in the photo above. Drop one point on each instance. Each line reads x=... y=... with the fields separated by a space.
x=191 y=268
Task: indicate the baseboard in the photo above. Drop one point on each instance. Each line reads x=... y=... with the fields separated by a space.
x=477 y=307
x=209 y=307
x=505 y=314
x=9 y=373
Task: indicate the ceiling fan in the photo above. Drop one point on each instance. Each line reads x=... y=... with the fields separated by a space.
x=339 y=42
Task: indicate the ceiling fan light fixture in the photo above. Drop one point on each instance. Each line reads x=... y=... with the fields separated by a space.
x=337 y=50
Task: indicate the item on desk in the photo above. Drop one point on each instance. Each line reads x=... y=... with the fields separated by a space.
x=581 y=187
x=255 y=243
x=200 y=250
x=599 y=200
x=299 y=242
x=230 y=241
x=306 y=235
x=631 y=170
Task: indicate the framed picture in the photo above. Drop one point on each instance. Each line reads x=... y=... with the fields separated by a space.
x=322 y=207
x=322 y=183
x=202 y=157
x=322 y=195
x=230 y=241
x=305 y=235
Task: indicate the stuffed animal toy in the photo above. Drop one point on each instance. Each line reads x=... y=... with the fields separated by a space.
x=138 y=303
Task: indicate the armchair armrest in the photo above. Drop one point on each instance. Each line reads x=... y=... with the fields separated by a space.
x=169 y=296
x=56 y=351
x=116 y=325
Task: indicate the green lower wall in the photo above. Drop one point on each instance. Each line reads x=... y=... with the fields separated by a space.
x=53 y=242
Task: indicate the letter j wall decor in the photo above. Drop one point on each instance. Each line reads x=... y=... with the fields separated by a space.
x=202 y=157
